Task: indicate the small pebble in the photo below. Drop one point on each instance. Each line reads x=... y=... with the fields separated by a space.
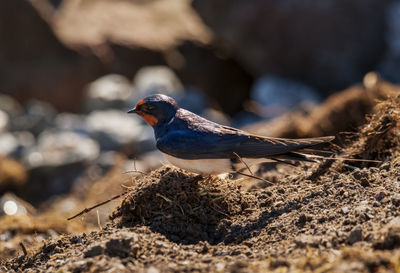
x=94 y=251
x=355 y=235
x=380 y=196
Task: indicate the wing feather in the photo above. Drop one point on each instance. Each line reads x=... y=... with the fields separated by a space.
x=206 y=145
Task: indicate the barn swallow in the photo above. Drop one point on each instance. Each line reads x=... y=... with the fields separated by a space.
x=191 y=142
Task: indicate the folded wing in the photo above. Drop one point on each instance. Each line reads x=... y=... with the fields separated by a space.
x=203 y=145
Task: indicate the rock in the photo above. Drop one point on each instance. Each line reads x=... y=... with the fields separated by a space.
x=116 y=130
x=278 y=95
x=93 y=251
x=57 y=162
x=328 y=44
x=8 y=144
x=307 y=240
x=152 y=269
x=71 y=122
x=9 y=105
x=15 y=144
x=38 y=117
x=363 y=207
x=355 y=235
x=13 y=205
x=303 y=219
x=192 y=100
x=110 y=91
x=3 y=121
x=380 y=196
x=25 y=140
x=390 y=238
x=396 y=200
x=157 y=79
x=118 y=247
x=362 y=177
x=107 y=160
x=61 y=148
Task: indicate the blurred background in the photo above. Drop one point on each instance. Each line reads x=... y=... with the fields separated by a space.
x=70 y=69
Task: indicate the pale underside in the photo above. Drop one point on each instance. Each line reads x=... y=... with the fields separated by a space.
x=212 y=166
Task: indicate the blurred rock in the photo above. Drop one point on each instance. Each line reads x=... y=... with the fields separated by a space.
x=390 y=235
x=10 y=106
x=107 y=160
x=12 y=205
x=57 y=161
x=192 y=100
x=25 y=138
x=25 y=141
x=326 y=44
x=355 y=235
x=71 y=122
x=61 y=148
x=118 y=131
x=8 y=144
x=3 y=121
x=278 y=95
x=110 y=91
x=12 y=175
x=38 y=117
x=157 y=80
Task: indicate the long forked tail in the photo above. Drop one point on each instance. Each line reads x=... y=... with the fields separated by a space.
x=307 y=154
x=313 y=156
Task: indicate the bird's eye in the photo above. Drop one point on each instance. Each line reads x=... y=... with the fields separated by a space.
x=150 y=107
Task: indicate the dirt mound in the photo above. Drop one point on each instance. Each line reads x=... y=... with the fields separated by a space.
x=344 y=219
x=174 y=203
x=379 y=139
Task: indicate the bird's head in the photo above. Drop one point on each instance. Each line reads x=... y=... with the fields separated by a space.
x=156 y=108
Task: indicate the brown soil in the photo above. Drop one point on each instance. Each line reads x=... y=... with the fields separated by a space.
x=324 y=218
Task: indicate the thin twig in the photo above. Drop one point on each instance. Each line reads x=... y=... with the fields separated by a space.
x=21 y=244
x=98 y=219
x=134 y=171
x=163 y=197
x=86 y=210
x=247 y=166
x=283 y=161
x=256 y=177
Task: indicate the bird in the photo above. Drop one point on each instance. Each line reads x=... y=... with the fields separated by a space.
x=191 y=142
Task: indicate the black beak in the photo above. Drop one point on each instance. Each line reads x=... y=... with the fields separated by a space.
x=133 y=111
